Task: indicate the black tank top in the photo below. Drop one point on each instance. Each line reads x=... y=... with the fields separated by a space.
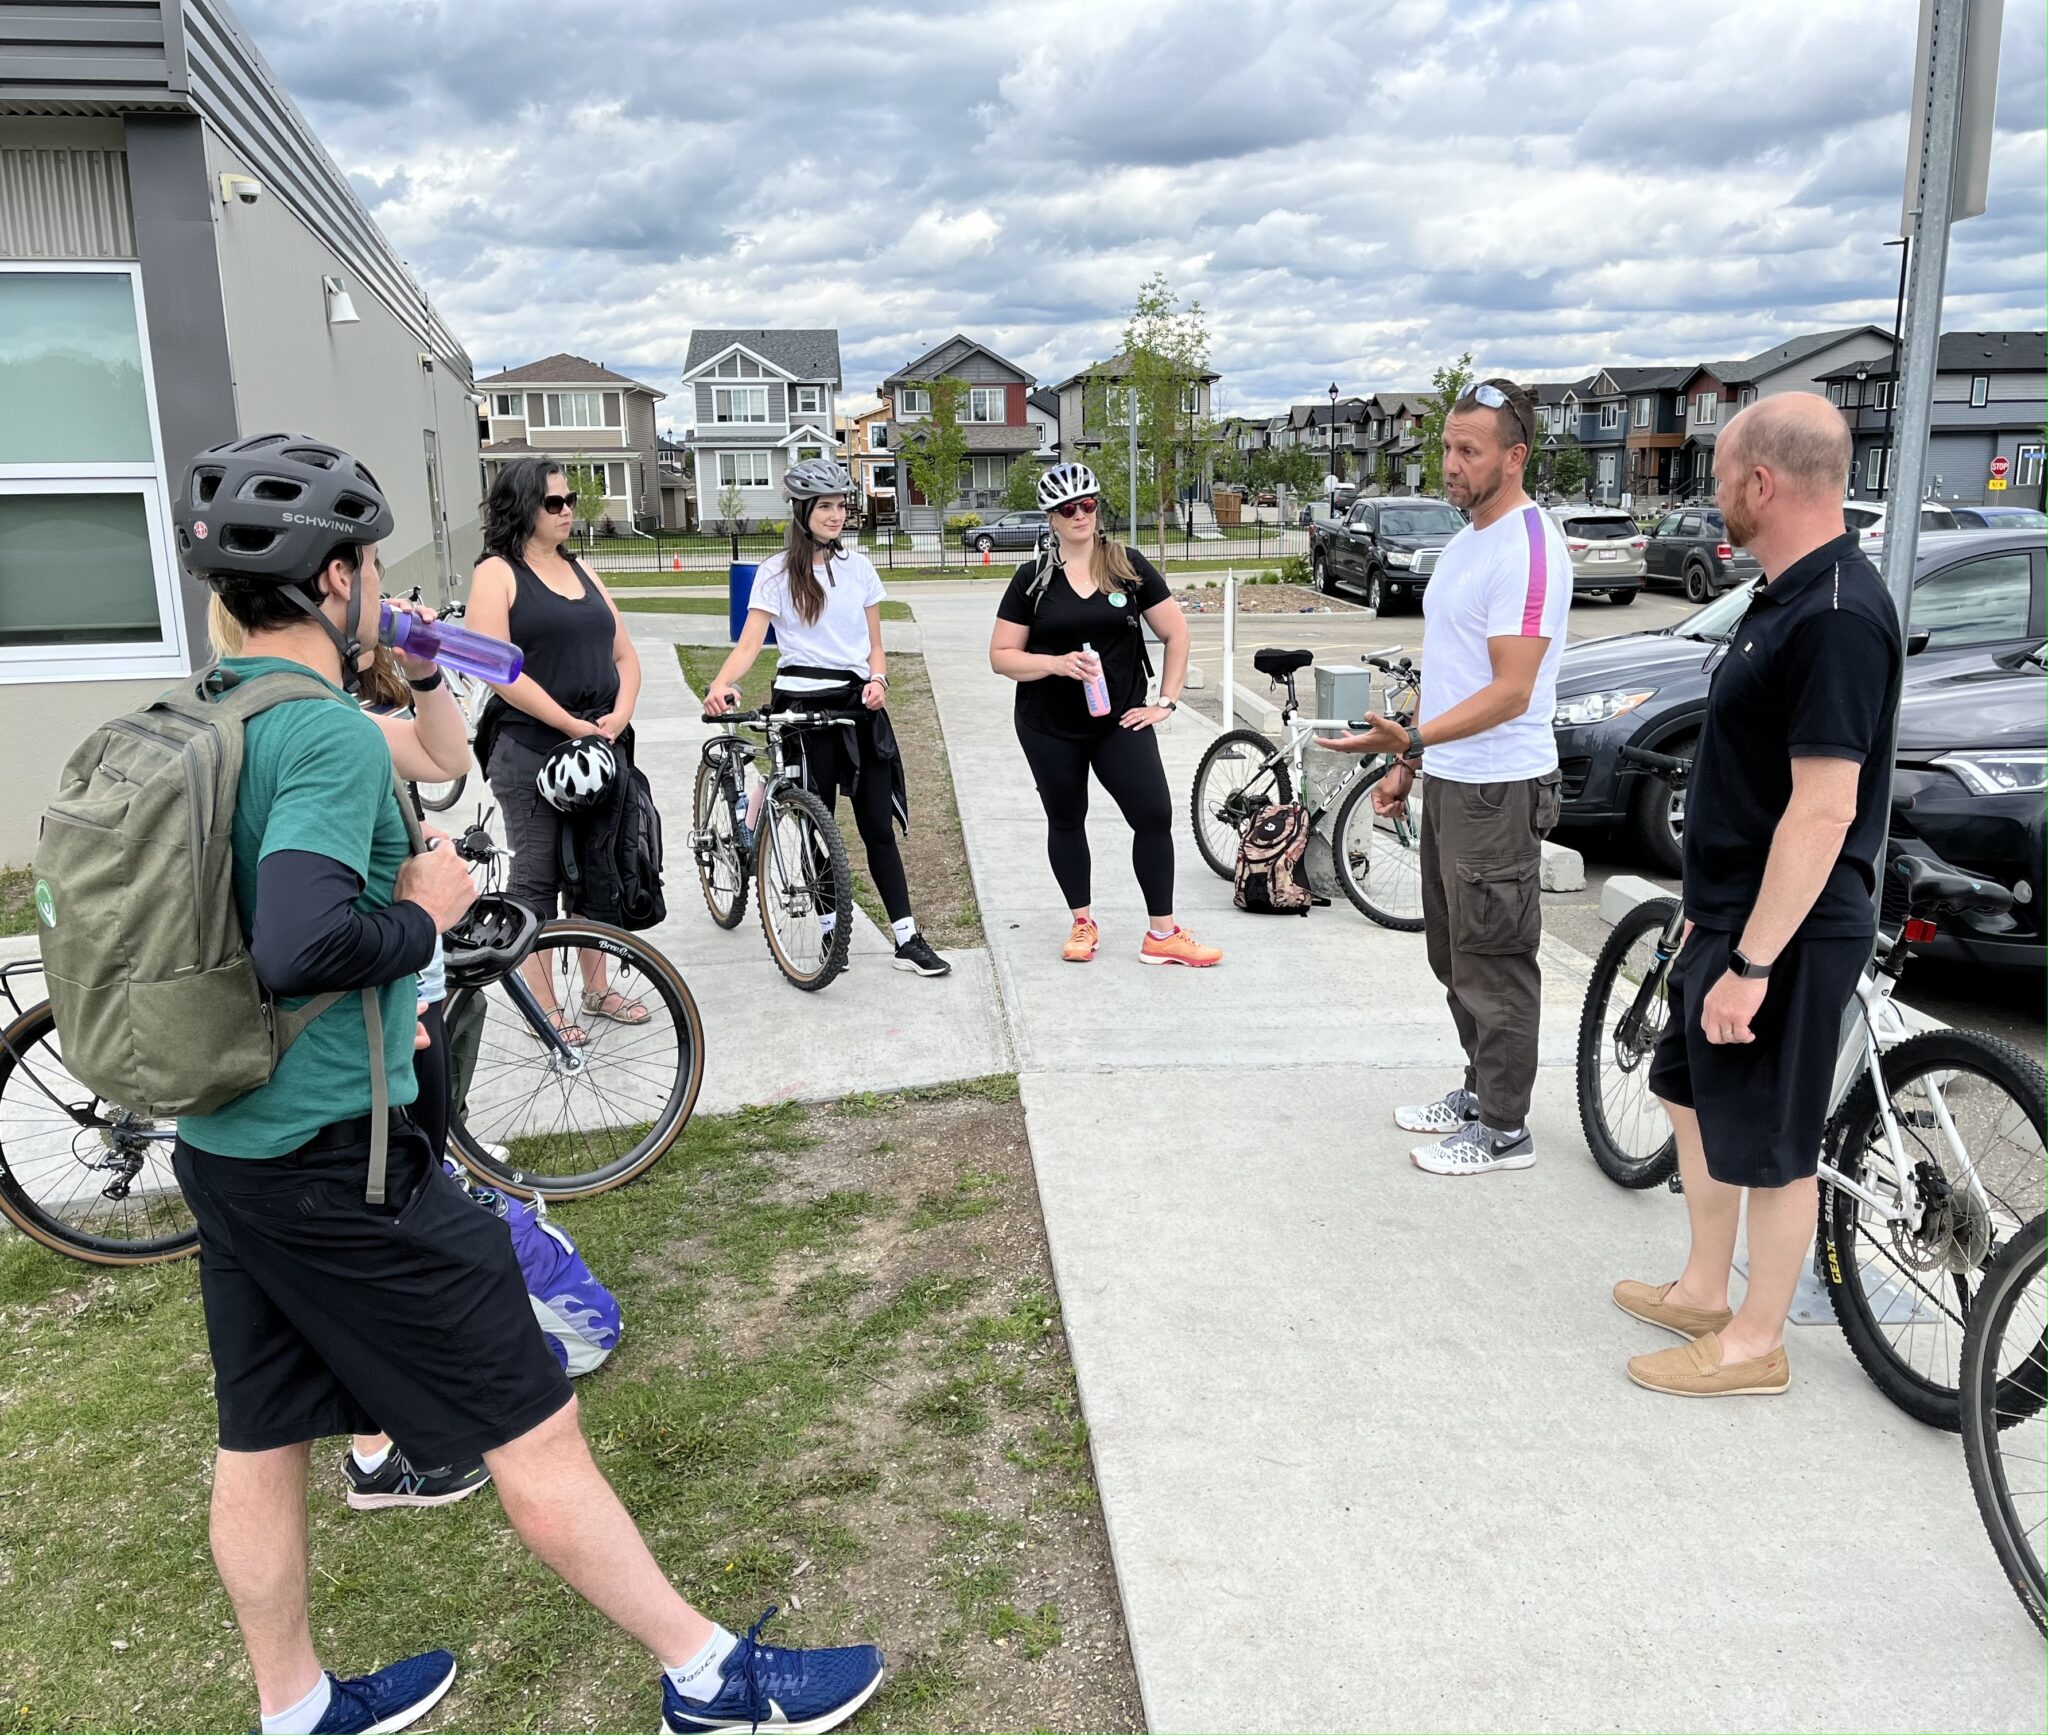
x=568 y=649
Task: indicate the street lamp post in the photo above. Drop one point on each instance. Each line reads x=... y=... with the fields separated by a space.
x=1333 y=430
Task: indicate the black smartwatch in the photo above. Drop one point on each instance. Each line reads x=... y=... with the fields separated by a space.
x=427 y=684
x=1748 y=969
x=1414 y=740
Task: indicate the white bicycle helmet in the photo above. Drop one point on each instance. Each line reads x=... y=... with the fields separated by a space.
x=1064 y=482
x=815 y=478
x=576 y=774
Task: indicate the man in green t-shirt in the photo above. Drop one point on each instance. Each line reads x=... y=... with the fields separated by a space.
x=327 y=1314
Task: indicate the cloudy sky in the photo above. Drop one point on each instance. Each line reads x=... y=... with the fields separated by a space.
x=1352 y=195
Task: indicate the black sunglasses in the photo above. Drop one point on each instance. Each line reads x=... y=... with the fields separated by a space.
x=558 y=502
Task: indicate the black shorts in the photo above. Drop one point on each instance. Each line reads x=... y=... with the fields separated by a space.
x=329 y=1315
x=1762 y=1105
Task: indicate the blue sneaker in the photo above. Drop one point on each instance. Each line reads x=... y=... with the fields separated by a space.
x=392 y=1698
x=788 y=1690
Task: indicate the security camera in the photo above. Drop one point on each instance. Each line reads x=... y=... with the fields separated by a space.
x=241 y=189
x=426 y=361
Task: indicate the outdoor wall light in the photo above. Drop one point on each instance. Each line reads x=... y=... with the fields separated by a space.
x=340 y=309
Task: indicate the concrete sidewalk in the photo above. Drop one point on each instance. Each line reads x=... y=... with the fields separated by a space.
x=1367 y=1453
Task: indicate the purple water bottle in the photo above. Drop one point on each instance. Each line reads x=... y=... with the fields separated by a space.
x=1096 y=690
x=490 y=660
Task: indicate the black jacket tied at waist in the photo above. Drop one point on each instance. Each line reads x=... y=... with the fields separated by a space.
x=834 y=757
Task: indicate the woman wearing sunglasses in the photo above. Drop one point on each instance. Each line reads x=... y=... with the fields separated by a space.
x=1071 y=622
x=581 y=677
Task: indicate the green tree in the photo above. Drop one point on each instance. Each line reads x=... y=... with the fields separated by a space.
x=1104 y=411
x=1165 y=356
x=587 y=482
x=935 y=451
x=730 y=504
x=1298 y=469
x=1020 y=483
x=1570 y=468
x=1449 y=381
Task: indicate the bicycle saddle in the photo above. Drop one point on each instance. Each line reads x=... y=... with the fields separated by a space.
x=1931 y=886
x=1280 y=664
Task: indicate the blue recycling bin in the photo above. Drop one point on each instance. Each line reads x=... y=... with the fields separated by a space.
x=739 y=586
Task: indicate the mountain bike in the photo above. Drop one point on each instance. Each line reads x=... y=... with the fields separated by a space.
x=469 y=695
x=535 y=1113
x=2004 y=1383
x=1933 y=1154
x=779 y=835
x=1377 y=858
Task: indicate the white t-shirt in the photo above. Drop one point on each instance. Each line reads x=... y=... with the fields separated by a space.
x=838 y=638
x=1514 y=578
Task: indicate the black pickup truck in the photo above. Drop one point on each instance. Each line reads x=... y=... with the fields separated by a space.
x=1383 y=549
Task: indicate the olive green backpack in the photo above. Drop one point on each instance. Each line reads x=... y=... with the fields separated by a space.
x=150 y=980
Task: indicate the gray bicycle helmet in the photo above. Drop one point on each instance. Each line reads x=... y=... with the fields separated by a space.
x=815 y=478
x=1064 y=482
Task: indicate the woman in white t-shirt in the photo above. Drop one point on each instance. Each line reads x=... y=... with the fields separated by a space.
x=825 y=604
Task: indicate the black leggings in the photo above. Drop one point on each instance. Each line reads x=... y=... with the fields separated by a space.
x=1126 y=761
x=872 y=817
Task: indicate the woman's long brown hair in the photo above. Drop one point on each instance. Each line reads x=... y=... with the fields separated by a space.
x=801 y=551
x=1110 y=565
x=382 y=683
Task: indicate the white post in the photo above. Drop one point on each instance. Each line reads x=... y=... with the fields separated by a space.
x=1230 y=647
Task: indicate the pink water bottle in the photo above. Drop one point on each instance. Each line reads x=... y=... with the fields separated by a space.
x=454 y=647
x=1096 y=690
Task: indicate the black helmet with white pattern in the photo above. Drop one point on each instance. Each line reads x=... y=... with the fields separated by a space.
x=1064 y=482
x=576 y=774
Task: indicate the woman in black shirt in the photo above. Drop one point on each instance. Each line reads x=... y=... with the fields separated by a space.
x=1085 y=591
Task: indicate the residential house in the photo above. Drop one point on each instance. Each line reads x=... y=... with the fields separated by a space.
x=1554 y=425
x=1603 y=431
x=871 y=460
x=677 y=486
x=1715 y=391
x=1043 y=407
x=1655 y=417
x=761 y=400
x=1393 y=440
x=573 y=411
x=1990 y=401
x=181 y=264
x=994 y=416
x=1082 y=427
x=1339 y=434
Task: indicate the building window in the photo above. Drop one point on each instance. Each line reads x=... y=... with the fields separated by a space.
x=988 y=472
x=573 y=409
x=1643 y=407
x=88 y=584
x=878 y=436
x=1191 y=399
x=1873 y=468
x=1880 y=394
x=985 y=404
x=615 y=481
x=1610 y=417
x=1745 y=397
x=810 y=400
x=914 y=401
x=1980 y=390
x=2026 y=467
x=509 y=404
x=1836 y=395
x=1569 y=410
x=739 y=404
x=1705 y=408
x=743 y=470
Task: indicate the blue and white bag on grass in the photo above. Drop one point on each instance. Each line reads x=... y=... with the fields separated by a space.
x=577 y=1314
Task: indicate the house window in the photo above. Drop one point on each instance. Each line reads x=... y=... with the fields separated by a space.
x=913 y=401
x=573 y=410
x=1191 y=399
x=1643 y=407
x=1706 y=408
x=508 y=404
x=1569 y=410
x=615 y=481
x=87 y=575
x=985 y=404
x=1881 y=394
x=2027 y=467
x=743 y=469
x=1980 y=390
x=1836 y=395
x=878 y=436
x=810 y=400
x=1745 y=397
x=1873 y=468
x=1610 y=417
x=989 y=471
x=739 y=404
x=807 y=452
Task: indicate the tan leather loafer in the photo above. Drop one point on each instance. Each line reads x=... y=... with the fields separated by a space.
x=1696 y=1370
x=1645 y=1301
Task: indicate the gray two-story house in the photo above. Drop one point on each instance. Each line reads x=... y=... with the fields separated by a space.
x=761 y=400
x=1715 y=391
x=1082 y=426
x=994 y=416
x=574 y=411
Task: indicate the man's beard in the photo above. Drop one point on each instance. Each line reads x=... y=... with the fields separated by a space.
x=1478 y=501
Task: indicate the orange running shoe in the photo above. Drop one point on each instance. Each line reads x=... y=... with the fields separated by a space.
x=1179 y=947
x=1081 y=941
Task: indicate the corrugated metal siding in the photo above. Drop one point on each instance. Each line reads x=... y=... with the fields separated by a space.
x=65 y=204
x=91 y=51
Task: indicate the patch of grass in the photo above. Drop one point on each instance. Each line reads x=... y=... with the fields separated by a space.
x=17 y=901
x=973 y=1194
x=1040 y=1632
x=827 y=1293
x=954 y=1409
x=892 y=610
x=915 y=1693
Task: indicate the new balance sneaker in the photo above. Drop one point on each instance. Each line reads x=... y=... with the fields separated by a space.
x=1454 y=1109
x=766 y=1688
x=916 y=954
x=396 y=1483
x=1179 y=947
x=393 y=1698
x=1476 y=1149
x=1082 y=939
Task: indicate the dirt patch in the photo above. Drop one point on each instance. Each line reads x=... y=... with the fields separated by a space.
x=1265 y=599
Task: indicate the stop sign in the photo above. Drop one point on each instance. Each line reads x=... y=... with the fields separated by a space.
x=1999 y=467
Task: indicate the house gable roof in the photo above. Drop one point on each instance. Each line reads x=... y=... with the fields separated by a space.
x=919 y=371
x=564 y=370
x=1116 y=367
x=1646 y=379
x=1045 y=401
x=1977 y=352
x=802 y=354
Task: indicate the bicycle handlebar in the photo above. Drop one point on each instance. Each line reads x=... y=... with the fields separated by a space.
x=1659 y=762
x=764 y=719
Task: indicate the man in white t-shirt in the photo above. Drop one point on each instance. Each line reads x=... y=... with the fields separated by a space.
x=1495 y=607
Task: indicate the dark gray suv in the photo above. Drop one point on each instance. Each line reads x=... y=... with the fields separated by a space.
x=1690 y=549
x=1012 y=530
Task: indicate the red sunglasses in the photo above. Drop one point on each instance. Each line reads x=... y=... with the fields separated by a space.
x=1074 y=508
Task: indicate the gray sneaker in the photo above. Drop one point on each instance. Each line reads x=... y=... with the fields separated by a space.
x=1477 y=1149
x=1454 y=1109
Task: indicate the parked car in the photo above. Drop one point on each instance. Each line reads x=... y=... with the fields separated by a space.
x=1691 y=549
x=1384 y=549
x=1012 y=530
x=1976 y=594
x=1607 y=551
x=1999 y=518
x=1867 y=519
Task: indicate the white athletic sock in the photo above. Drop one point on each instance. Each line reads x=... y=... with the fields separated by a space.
x=904 y=930
x=1157 y=935
x=700 y=1678
x=370 y=1466
x=304 y=1717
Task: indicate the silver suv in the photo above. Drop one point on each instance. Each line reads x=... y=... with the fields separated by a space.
x=1607 y=551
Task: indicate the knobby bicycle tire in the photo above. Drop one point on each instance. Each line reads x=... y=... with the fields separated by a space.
x=1986 y=1414
x=1283 y=790
x=814 y=816
x=1939 y=1298
x=514 y=1171
x=708 y=805
x=1360 y=894
x=19 y=1043
x=1611 y=1149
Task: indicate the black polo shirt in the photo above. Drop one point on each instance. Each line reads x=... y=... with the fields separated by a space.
x=1813 y=668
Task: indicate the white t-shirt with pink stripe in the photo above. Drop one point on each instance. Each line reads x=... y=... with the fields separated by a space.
x=1512 y=579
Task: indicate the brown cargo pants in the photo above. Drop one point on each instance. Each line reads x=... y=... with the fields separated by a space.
x=1482 y=853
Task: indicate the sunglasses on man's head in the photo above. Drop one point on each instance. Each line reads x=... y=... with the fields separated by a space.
x=558 y=502
x=1489 y=394
x=1074 y=508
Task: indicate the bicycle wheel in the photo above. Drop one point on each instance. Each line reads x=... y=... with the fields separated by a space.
x=719 y=870
x=81 y=1176
x=1627 y=1130
x=800 y=877
x=2003 y=1352
x=526 y=1119
x=1233 y=781
x=1903 y=1292
x=439 y=797
x=1379 y=860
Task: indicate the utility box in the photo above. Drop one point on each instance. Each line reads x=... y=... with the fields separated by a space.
x=1342 y=690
